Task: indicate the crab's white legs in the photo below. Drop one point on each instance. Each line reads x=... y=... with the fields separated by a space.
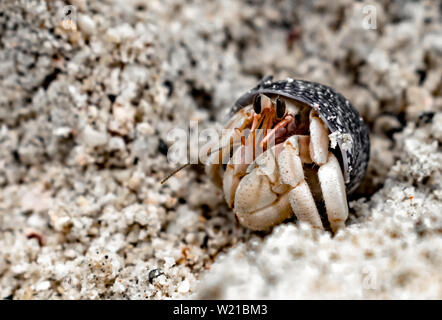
x=333 y=192
x=303 y=205
x=318 y=141
x=237 y=166
x=218 y=151
x=292 y=174
x=329 y=174
x=230 y=137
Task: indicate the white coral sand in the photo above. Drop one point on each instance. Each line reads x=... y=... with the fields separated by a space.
x=86 y=108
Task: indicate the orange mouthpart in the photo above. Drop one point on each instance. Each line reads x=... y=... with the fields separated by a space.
x=280 y=124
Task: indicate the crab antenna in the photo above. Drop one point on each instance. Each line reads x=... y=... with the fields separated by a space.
x=174 y=172
x=188 y=164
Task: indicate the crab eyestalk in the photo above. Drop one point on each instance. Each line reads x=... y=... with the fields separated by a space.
x=270 y=117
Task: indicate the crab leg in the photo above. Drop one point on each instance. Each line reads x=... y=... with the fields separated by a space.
x=292 y=174
x=333 y=192
x=230 y=139
x=318 y=141
x=330 y=175
x=215 y=159
x=237 y=166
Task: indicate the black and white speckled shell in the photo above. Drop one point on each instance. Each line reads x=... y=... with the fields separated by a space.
x=337 y=113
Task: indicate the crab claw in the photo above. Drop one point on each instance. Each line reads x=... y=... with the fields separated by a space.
x=261 y=200
x=231 y=137
x=292 y=173
x=333 y=192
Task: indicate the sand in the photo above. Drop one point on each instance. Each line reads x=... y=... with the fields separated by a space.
x=87 y=104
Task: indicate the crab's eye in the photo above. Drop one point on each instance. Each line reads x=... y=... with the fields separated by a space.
x=280 y=108
x=257 y=104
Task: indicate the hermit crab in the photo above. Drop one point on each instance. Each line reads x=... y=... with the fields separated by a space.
x=290 y=147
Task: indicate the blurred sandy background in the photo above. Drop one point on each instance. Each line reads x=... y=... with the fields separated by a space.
x=85 y=108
